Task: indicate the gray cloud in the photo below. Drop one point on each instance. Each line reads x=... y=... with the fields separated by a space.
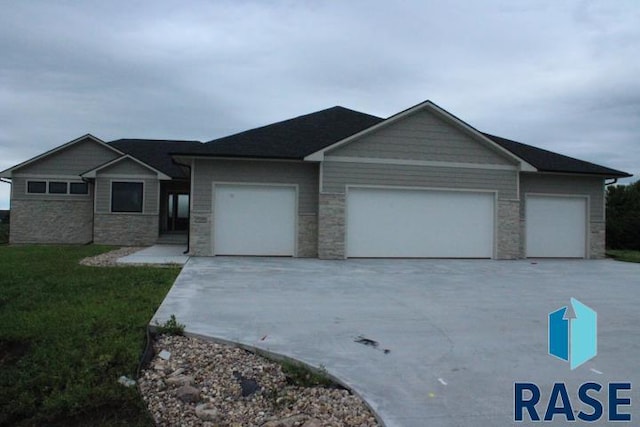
x=560 y=75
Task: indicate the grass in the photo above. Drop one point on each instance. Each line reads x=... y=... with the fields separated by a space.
x=624 y=255
x=68 y=332
x=4 y=233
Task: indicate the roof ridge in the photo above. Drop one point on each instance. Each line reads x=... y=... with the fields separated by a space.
x=335 y=107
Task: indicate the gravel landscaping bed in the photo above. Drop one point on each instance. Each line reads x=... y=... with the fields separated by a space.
x=194 y=382
x=108 y=259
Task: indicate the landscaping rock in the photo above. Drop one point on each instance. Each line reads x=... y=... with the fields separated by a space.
x=188 y=394
x=218 y=371
x=208 y=412
x=180 y=380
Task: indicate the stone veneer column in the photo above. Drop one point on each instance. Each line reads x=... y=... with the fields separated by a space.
x=307 y=236
x=200 y=238
x=597 y=240
x=331 y=226
x=509 y=246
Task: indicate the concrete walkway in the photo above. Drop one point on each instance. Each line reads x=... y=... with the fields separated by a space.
x=458 y=333
x=157 y=254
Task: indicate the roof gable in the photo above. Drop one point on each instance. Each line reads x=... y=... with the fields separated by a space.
x=442 y=114
x=421 y=136
x=127 y=164
x=71 y=158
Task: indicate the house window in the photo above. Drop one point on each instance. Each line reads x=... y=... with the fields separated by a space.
x=126 y=196
x=78 y=188
x=57 y=187
x=37 y=187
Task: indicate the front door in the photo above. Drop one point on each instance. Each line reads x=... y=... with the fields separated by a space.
x=177 y=211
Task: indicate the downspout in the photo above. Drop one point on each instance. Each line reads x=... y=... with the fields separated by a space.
x=189 y=218
x=615 y=180
x=93 y=209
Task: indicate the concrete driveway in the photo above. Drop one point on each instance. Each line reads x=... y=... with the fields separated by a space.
x=459 y=333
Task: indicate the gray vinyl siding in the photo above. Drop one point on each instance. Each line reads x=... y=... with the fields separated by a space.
x=305 y=175
x=422 y=136
x=150 y=194
x=566 y=185
x=73 y=160
x=336 y=175
x=19 y=190
x=127 y=167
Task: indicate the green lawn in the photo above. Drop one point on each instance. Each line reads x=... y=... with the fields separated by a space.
x=624 y=255
x=68 y=332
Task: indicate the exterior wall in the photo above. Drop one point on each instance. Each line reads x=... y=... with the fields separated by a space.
x=73 y=160
x=336 y=175
x=126 y=229
x=423 y=136
x=150 y=193
x=307 y=236
x=508 y=230
x=590 y=186
x=207 y=171
x=331 y=226
x=51 y=221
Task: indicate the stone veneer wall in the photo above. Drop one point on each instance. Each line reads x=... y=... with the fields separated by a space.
x=200 y=238
x=508 y=232
x=307 y=236
x=331 y=226
x=51 y=221
x=597 y=240
x=126 y=229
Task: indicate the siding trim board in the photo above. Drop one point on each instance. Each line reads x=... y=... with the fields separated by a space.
x=406 y=162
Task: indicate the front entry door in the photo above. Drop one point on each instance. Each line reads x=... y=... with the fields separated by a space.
x=178 y=211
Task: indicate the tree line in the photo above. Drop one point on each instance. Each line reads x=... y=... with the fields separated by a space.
x=623 y=216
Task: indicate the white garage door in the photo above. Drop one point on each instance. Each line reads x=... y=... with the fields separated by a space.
x=254 y=220
x=556 y=227
x=422 y=224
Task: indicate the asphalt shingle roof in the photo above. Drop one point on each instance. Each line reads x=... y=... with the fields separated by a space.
x=156 y=153
x=291 y=139
x=301 y=136
x=548 y=161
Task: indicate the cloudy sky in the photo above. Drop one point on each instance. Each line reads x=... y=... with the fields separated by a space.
x=564 y=76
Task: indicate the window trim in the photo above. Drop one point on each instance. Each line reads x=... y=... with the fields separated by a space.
x=126 y=180
x=68 y=182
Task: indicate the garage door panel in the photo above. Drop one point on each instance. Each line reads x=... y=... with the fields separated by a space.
x=556 y=227
x=417 y=223
x=254 y=220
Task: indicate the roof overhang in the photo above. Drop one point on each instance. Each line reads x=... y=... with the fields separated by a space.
x=93 y=172
x=185 y=158
x=7 y=173
x=318 y=156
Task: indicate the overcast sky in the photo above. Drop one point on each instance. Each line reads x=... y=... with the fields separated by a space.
x=564 y=76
